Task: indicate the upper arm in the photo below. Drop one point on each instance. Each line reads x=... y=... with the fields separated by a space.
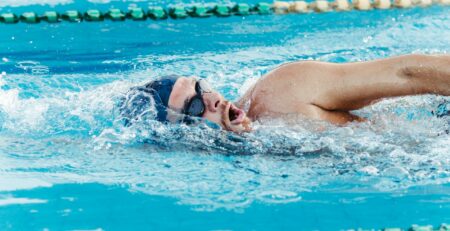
x=335 y=117
x=307 y=110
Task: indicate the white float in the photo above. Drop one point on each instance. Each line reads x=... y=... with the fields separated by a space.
x=299 y=7
x=280 y=7
x=382 y=4
x=362 y=4
x=424 y=3
x=341 y=5
x=403 y=3
x=320 y=6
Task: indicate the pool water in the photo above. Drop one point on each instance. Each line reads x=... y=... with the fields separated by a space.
x=68 y=163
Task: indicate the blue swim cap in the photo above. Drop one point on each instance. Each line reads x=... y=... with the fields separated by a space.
x=137 y=101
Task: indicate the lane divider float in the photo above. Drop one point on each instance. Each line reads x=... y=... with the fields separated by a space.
x=218 y=10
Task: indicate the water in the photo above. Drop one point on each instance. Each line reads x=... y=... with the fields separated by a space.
x=67 y=163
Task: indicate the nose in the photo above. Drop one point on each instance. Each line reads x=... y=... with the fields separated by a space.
x=212 y=101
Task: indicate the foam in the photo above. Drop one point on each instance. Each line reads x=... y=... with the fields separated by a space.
x=17 y=3
x=20 y=201
x=11 y=183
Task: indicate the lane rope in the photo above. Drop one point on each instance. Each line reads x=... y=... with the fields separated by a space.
x=218 y=10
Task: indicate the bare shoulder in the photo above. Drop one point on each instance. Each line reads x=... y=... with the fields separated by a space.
x=287 y=76
x=294 y=75
x=298 y=70
x=286 y=88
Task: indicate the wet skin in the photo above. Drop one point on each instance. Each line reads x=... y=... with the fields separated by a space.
x=323 y=91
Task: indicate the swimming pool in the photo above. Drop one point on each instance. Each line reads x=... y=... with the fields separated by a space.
x=67 y=163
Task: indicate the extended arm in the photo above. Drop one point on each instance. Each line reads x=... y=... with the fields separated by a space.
x=354 y=85
x=328 y=91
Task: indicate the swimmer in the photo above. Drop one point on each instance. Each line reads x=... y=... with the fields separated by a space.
x=317 y=90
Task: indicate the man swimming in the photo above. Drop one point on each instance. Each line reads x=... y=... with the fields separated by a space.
x=317 y=90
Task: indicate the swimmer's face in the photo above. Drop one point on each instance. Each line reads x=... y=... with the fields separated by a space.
x=217 y=109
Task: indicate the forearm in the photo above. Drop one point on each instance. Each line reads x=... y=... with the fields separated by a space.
x=359 y=84
x=430 y=73
x=408 y=74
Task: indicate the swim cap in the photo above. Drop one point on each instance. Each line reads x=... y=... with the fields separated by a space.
x=137 y=101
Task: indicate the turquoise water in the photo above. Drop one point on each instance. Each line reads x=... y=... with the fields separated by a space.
x=67 y=163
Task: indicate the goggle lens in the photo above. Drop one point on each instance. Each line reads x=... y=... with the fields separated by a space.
x=196 y=107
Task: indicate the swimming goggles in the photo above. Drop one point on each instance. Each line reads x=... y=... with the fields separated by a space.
x=196 y=107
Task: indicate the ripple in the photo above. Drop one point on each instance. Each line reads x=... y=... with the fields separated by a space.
x=278 y=196
x=59 y=128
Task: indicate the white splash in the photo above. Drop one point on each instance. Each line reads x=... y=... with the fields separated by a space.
x=12 y=183
x=23 y=113
x=17 y=3
x=20 y=201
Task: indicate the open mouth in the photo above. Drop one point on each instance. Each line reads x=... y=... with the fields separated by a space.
x=235 y=115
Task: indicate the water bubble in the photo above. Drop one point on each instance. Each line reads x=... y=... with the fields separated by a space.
x=371 y=170
x=278 y=196
x=398 y=173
